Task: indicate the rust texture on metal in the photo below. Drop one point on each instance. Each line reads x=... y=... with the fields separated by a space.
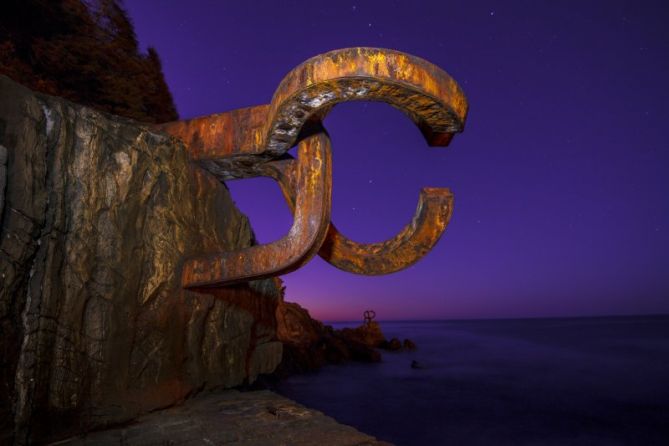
x=431 y=98
x=231 y=144
x=253 y=142
x=312 y=173
x=414 y=241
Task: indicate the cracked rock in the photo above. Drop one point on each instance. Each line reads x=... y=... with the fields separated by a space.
x=97 y=214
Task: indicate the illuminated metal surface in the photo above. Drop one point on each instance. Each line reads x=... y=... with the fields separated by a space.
x=253 y=142
x=414 y=241
x=311 y=173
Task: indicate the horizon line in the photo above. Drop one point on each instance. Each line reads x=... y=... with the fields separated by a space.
x=605 y=316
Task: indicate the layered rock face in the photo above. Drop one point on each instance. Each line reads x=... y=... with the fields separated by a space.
x=96 y=214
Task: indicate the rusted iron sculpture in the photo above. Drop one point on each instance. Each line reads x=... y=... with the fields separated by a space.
x=368 y=316
x=254 y=142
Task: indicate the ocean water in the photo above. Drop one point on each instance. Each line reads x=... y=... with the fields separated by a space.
x=572 y=381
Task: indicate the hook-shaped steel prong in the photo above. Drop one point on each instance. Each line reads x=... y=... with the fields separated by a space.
x=310 y=174
x=247 y=142
x=413 y=242
x=231 y=145
x=424 y=92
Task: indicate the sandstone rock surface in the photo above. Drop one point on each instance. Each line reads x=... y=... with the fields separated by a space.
x=94 y=328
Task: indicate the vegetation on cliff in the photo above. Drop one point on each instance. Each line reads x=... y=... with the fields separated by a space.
x=85 y=51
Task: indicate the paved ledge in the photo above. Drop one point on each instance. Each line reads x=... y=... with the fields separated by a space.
x=259 y=418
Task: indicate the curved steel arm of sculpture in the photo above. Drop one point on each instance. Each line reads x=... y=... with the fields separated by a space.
x=414 y=241
x=431 y=98
x=253 y=141
x=311 y=175
x=232 y=144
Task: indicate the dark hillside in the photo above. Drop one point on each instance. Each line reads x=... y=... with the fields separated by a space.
x=85 y=51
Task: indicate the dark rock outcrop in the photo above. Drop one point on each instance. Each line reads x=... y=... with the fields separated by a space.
x=369 y=334
x=392 y=346
x=94 y=327
x=395 y=345
x=309 y=345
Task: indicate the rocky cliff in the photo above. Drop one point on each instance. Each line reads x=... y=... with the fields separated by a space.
x=96 y=213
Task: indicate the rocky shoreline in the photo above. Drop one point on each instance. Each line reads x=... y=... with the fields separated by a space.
x=308 y=344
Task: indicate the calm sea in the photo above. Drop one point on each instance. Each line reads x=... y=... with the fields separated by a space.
x=576 y=381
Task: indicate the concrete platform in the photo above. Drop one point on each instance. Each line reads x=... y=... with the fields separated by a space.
x=258 y=418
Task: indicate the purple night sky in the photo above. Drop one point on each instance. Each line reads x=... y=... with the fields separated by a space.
x=560 y=178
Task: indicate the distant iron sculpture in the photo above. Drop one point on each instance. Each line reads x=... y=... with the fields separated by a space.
x=254 y=141
x=368 y=316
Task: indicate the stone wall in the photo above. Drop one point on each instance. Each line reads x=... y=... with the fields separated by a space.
x=94 y=327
